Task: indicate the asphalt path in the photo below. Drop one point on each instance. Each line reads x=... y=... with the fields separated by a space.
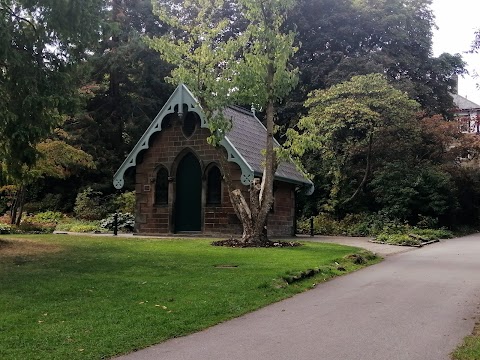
x=414 y=305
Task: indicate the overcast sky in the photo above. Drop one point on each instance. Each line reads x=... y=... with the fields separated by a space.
x=457 y=21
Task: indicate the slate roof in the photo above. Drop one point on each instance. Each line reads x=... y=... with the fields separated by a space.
x=248 y=136
x=244 y=143
x=463 y=103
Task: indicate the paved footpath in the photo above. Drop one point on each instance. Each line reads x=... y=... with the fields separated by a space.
x=416 y=305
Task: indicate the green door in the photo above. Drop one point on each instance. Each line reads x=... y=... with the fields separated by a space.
x=188 y=204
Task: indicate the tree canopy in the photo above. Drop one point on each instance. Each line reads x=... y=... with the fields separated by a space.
x=39 y=44
x=101 y=69
x=346 y=124
x=251 y=66
x=342 y=38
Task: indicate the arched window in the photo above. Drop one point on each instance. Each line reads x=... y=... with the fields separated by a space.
x=214 y=186
x=161 y=187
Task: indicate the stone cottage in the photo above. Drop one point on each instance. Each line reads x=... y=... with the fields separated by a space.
x=179 y=182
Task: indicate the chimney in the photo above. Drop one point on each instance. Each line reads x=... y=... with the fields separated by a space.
x=455 y=84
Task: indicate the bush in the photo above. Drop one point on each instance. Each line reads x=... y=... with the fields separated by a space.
x=48 y=217
x=74 y=225
x=398 y=239
x=414 y=237
x=323 y=224
x=5 y=228
x=28 y=227
x=352 y=225
x=48 y=203
x=371 y=225
x=125 y=203
x=89 y=205
x=83 y=228
x=433 y=234
x=125 y=222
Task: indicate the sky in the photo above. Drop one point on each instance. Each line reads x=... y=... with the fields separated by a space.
x=457 y=21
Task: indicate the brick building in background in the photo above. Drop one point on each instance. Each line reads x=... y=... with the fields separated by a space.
x=178 y=181
x=467 y=113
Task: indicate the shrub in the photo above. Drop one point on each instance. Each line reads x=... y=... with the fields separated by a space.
x=83 y=228
x=414 y=237
x=28 y=227
x=398 y=239
x=323 y=224
x=433 y=234
x=5 y=228
x=352 y=225
x=370 y=225
x=125 y=203
x=48 y=203
x=75 y=225
x=48 y=217
x=5 y=219
x=125 y=222
x=89 y=205
x=427 y=222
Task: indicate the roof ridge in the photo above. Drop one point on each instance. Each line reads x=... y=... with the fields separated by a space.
x=241 y=109
x=464 y=103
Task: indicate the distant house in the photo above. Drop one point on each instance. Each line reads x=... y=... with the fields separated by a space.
x=467 y=113
x=179 y=181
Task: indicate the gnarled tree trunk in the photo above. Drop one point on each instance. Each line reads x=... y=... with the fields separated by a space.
x=254 y=216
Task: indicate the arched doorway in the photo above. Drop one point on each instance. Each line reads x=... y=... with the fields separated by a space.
x=188 y=204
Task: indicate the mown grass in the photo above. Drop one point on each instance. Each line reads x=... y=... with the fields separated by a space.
x=81 y=297
x=470 y=348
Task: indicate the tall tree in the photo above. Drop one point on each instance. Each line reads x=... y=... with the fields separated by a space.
x=56 y=160
x=40 y=42
x=349 y=129
x=222 y=66
x=343 y=38
x=124 y=86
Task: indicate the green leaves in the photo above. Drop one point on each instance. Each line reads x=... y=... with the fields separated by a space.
x=345 y=126
x=40 y=43
x=204 y=60
x=224 y=69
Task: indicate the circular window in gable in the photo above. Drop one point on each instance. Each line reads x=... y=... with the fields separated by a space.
x=190 y=124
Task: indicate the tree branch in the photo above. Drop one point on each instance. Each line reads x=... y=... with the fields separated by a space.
x=12 y=13
x=367 y=171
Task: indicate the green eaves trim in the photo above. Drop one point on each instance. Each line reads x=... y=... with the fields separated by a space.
x=180 y=97
x=234 y=156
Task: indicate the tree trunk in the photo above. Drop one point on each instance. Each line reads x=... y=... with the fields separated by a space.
x=23 y=191
x=13 y=209
x=16 y=210
x=254 y=217
x=363 y=183
x=265 y=196
x=114 y=77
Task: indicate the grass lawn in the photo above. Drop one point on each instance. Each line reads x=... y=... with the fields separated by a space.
x=470 y=349
x=81 y=297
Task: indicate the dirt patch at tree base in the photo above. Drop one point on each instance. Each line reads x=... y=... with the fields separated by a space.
x=267 y=244
x=22 y=247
